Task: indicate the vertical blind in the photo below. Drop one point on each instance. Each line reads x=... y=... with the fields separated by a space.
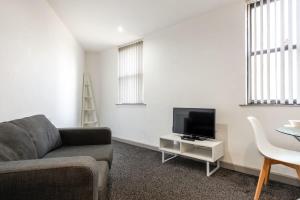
x=273 y=40
x=131 y=74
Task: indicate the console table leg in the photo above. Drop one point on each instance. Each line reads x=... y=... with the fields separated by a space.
x=163 y=160
x=208 y=172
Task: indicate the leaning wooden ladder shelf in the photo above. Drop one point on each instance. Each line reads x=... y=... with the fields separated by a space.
x=89 y=114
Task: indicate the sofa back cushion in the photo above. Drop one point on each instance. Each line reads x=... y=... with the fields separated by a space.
x=43 y=133
x=15 y=143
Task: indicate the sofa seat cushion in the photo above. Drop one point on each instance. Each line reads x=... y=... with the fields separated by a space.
x=98 y=152
x=15 y=143
x=102 y=179
x=43 y=133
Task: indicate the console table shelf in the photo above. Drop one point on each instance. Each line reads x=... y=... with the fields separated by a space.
x=208 y=150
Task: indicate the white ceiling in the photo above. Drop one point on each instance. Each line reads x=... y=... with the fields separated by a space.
x=94 y=23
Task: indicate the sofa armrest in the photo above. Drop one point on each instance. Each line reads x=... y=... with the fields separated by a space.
x=49 y=179
x=85 y=136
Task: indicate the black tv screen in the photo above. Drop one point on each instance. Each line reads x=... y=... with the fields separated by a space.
x=198 y=122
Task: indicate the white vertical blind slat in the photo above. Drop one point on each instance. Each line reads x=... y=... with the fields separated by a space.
x=282 y=56
x=136 y=72
x=275 y=49
x=290 y=52
x=130 y=72
x=261 y=71
x=126 y=72
x=141 y=74
x=255 y=55
x=268 y=50
x=298 y=49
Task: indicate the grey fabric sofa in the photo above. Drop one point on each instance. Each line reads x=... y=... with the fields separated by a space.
x=40 y=162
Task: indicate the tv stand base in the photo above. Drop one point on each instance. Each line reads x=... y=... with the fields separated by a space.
x=209 y=151
x=164 y=159
x=209 y=172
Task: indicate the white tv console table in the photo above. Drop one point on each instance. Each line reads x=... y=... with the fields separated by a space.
x=208 y=150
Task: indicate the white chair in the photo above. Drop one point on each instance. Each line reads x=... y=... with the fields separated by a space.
x=272 y=155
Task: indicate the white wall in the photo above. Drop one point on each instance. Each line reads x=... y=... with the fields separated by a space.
x=197 y=63
x=41 y=64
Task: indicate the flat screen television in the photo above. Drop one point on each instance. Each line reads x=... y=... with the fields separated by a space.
x=195 y=122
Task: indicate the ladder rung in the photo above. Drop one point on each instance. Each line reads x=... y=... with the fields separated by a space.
x=92 y=122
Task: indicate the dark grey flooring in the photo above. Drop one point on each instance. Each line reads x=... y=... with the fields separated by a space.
x=138 y=173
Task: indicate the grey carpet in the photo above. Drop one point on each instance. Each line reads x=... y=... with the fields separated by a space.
x=138 y=173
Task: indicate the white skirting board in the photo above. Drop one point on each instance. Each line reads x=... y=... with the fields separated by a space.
x=246 y=170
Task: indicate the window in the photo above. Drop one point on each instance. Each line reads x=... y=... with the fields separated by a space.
x=273 y=51
x=131 y=74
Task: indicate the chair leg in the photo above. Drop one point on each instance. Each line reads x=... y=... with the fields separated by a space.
x=268 y=173
x=298 y=171
x=262 y=177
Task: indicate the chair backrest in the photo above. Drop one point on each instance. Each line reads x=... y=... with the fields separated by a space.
x=262 y=142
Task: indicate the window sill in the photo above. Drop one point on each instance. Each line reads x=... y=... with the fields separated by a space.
x=131 y=104
x=269 y=105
